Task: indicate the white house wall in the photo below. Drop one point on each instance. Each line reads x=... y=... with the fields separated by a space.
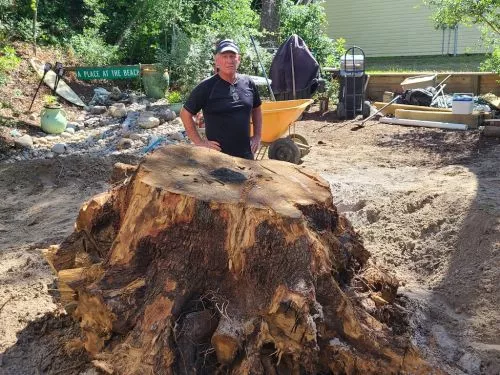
x=395 y=28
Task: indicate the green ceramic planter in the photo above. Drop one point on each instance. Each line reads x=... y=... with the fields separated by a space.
x=155 y=82
x=53 y=120
x=176 y=107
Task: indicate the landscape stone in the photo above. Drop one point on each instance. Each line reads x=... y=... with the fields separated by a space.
x=147 y=120
x=98 y=110
x=59 y=148
x=24 y=141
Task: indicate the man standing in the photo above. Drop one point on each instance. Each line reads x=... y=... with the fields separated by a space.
x=228 y=100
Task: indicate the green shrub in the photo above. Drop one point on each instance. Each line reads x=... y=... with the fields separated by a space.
x=91 y=49
x=193 y=59
x=309 y=22
x=8 y=61
x=492 y=63
x=333 y=59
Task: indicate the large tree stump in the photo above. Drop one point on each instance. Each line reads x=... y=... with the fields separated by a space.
x=204 y=263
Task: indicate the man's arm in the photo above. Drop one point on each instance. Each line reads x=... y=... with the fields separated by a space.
x=192 y=132
x=257 y=129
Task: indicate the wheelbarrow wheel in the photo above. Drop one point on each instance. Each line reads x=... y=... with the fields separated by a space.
x=301 y=142
x=284 y=149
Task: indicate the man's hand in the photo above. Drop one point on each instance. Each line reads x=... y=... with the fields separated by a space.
x=209 y=144
x=255 y=143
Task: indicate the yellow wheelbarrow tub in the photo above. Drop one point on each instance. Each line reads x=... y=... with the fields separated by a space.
x=278 y=116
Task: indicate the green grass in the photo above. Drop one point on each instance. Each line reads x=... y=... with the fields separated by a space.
x=405 y=64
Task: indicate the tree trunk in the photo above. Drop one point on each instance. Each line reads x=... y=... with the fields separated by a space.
x=34 y=5
x=204 y=263
x=270 y=18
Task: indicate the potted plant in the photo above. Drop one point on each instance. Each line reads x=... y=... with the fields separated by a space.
x=330 y=94
x=53 y=118
x=174 y=99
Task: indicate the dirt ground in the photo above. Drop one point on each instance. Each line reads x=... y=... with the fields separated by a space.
x=426 y=203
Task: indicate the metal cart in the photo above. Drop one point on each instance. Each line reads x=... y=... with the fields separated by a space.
x=353 y=82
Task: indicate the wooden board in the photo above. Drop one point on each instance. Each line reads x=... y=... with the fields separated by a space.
x=473 y=120
x=391 y=109
x=63 y=90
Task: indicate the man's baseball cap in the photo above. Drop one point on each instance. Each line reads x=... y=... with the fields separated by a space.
x=227 y=45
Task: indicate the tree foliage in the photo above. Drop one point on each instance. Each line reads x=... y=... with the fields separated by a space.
x=180 y=34
x=484 y=13
x=309 y=22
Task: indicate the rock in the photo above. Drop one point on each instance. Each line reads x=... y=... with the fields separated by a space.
x=116 y=94
x=130 y=121
x=70 y=130
x=147 y=120
x=59 y=148
x=177 y=121
x=32 y=117
x=92 y=122
x=166 y=115
x=24 y=141
x=132 y=98
x=470 y=363
x=177 y=136
x=75 y=126
x=124 y=144
x=15 y=133
x=97 y=109
x=136 y=137
x=52 y=138
x=101 y=96
x=118 y=110
x=49 y=155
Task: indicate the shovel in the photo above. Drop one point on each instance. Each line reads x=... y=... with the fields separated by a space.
x=380 y=110
x=263 y=70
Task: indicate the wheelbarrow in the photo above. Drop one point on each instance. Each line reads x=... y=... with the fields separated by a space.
x=277 y=118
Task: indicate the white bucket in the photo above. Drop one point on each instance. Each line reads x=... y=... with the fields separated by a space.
x=462 y=103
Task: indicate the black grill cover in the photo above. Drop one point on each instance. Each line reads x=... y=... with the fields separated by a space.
x=306 y=70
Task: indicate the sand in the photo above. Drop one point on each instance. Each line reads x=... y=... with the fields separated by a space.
x=425 y=201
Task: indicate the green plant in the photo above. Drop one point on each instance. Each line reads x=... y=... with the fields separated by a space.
x=50 y=101
x=91 y=48
x=233 y=19
x=309 y=22
x=174 y=97
x=492 y=63
x=8 y=61
x=333 y=59
x=484 y=13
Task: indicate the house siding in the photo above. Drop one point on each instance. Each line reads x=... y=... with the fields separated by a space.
x=395 y=28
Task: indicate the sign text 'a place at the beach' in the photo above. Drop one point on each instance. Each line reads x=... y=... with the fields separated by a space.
x=108 y=72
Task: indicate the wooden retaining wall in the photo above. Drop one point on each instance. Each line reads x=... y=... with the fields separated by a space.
x=475 y=82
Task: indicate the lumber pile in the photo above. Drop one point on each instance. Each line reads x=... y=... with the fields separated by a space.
x=199 y=262
x=461 y=117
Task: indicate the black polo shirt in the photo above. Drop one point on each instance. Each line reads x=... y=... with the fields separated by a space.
x=227 y=110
